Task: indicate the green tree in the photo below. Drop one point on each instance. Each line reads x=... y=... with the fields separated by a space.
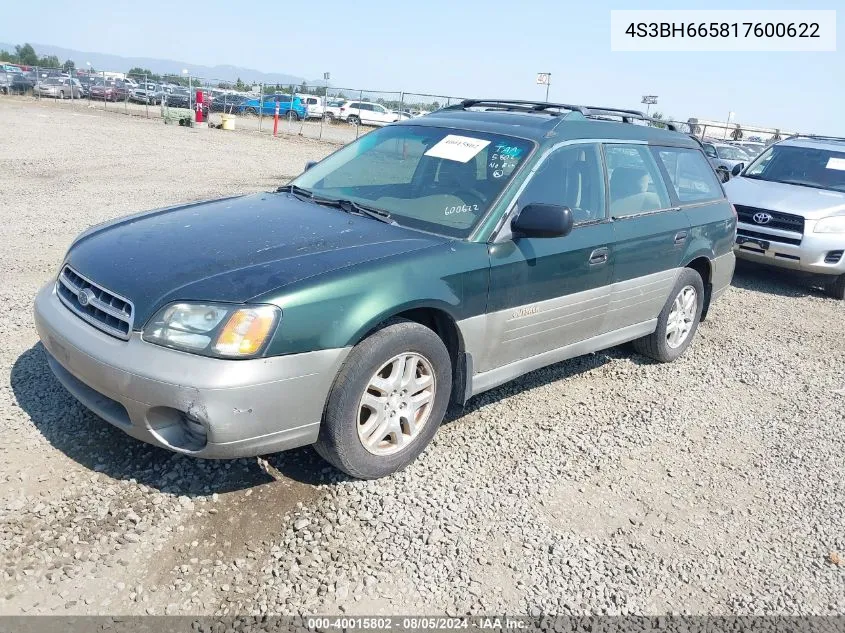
x=26 y=55
x=736 y=134
x=435 y=105
x=69 y=66
x=51 y=61
x=6 y=56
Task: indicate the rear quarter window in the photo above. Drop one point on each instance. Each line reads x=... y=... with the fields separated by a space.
x=690 y=174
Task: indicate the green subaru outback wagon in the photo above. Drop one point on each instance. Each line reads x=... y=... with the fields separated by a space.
x=422 y=264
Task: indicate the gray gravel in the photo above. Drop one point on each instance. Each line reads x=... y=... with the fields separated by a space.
x=606 y=484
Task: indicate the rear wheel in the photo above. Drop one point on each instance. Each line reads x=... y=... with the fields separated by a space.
x=61 y=94
x=387 y=402
x=329 y=117
x=353 y=120
x=292 y=116
x=251 y=111
x=677 y=322
x=836 y=288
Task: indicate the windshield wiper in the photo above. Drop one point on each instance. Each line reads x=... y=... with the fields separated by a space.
x=296 y=190
x=355 y=207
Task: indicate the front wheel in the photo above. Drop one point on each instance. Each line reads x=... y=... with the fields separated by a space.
x=328 y=117
x=677 y=322
x=252 y=111
x=836 y=288
x=387 y=402
x=353 y=120
x=292 y=116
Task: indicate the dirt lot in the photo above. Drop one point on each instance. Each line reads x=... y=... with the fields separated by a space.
x=607 y=484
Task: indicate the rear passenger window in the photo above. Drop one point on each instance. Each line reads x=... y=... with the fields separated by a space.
x=690 y=174
x=635 y=182
x=572 y=177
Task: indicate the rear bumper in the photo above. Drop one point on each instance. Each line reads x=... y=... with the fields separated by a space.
x=183 y=402
x=808 y=256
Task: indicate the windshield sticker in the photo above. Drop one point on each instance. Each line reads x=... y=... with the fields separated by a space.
x=836 y=163
x=457 y=148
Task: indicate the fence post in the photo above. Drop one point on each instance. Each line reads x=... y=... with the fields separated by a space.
x=70 y=81
x=125 y=95
x=260 y=106
x=105 y=105
x=358 y=127
x=401 y=104
x=37 y=81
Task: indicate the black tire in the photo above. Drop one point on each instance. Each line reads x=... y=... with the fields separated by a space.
x=61 y=94
x=353 y=120
x=328 y=117
x=656 y=345
x=339 y=442
x=252 y=111
x=836 y=288
x=291 y=116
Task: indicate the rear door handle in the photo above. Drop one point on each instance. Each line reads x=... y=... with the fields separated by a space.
x=680 y=238
x=598 y=256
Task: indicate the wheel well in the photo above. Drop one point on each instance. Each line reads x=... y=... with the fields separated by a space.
x=702 y=266
x=444 y=326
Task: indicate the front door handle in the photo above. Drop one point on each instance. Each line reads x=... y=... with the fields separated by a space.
x=598 y=257
x=680 y=238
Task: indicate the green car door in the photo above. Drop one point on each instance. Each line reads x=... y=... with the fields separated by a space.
x=546 y=293
x=650 y=233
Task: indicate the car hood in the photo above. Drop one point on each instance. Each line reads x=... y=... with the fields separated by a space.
x=230 y=250
x=808 y=202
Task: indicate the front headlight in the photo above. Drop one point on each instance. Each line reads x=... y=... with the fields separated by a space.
x=833 y=224
x=220 y=330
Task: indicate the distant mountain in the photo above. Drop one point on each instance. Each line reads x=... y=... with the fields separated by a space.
x=117 y=63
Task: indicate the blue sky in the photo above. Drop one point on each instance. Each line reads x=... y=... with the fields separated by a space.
x=460 y=47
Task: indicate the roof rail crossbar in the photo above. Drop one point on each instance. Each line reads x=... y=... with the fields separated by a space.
x=536 y=106
x=628 y=116
x=821 y=137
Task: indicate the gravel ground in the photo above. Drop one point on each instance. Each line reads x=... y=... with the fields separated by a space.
x=606 y=484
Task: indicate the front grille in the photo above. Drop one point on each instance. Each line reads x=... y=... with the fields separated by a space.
x=833 y=257
x=782 y=221
x=768 y=237
x=102 y=308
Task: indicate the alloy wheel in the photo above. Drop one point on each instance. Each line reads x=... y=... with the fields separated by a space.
x=682 y=317
x=396 y=403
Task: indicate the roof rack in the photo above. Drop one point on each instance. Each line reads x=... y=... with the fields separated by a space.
x=516 y=104
x=627 y=116
x=595 y=112
x=820 y=137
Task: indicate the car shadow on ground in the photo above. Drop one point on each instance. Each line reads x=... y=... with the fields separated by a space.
x=97 y=445
x=775 y=281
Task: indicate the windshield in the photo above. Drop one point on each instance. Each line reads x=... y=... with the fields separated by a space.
x=807 y=166
x=729 y=152
x=435 y=179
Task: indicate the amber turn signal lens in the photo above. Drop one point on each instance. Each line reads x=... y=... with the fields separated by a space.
x=246 y=331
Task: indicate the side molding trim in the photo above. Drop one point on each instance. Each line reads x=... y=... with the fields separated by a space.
x=495 y=377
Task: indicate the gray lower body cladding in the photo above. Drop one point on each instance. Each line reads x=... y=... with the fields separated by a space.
x=183 y=402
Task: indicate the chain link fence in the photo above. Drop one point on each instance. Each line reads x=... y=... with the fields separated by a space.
x=328 y=113
x=309 y=111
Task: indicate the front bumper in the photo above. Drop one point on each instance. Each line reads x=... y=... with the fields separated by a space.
x=191 y=404
x=808 y=256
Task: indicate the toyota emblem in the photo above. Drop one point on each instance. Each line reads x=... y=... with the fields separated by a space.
x=85 y=296
x=762 y=218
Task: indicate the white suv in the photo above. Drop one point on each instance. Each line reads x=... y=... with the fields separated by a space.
x=367 y=113
x=790 y=202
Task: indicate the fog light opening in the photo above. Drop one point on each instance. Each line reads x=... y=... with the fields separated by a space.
x=195 y=432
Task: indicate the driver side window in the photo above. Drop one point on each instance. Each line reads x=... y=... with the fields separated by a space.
x=572 y=177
